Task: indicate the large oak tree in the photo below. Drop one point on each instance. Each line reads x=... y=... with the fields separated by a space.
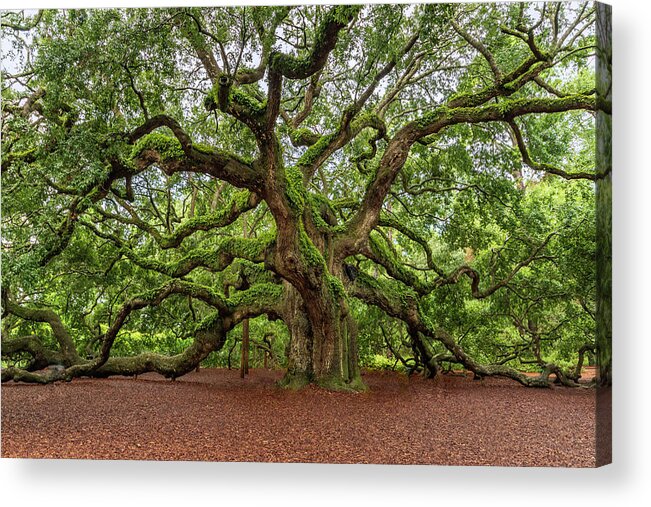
x=220 y=164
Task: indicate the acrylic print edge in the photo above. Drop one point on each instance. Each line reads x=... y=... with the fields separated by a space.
x=603 y=76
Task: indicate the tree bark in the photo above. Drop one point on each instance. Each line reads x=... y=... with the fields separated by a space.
x=169 y=366
x=323 y=347
x=244 y=356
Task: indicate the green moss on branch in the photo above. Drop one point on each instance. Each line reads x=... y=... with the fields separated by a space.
x=336 y=287
x=259 y=298
x=303 y=137
x=315 y=151
x=324 y=41
x=295 y=189
x=310 y=253
x=168 y=147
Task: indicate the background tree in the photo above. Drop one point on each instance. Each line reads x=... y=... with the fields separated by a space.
x=170 y=173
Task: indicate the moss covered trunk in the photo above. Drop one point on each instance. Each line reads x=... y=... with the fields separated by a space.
x=322 y=348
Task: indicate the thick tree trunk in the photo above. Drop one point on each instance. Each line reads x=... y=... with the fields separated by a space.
x=244 y=356
x=323 y=347
x=299 y=349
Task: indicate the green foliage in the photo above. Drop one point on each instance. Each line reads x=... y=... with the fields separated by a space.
x=463 y=197
x=380 y=362
x=134 y=343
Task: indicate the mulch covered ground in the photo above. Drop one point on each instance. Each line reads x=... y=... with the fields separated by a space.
x=214 y=415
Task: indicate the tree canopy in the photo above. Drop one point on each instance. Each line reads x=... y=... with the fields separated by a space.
x=406 y=186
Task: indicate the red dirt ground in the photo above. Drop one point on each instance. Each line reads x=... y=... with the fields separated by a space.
x=213 y=415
